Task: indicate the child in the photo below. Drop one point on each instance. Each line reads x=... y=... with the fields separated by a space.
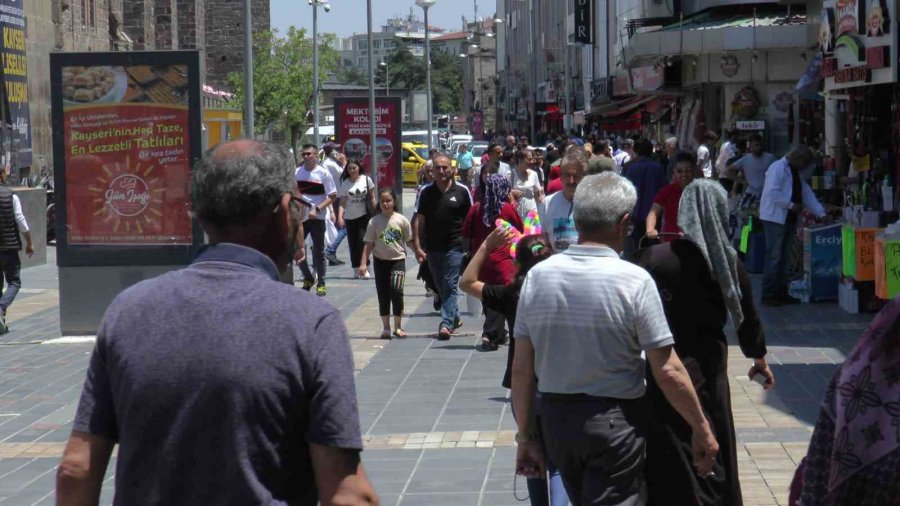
x=386 y=236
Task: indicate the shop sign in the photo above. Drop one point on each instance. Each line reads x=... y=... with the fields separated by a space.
x=583 y=24
x=647 y=78
x=860 y=73
x=848 y=14
x=876 y=25
x=601 y=90
x=353 y=129
x=750 y=125
x=745 y=104
x=620 y=85
x=15 y=79
x=729 y=65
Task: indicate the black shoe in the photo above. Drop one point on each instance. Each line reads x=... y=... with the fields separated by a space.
x=443 y=334
x=437 y=303
x=503 y=339
x=487 y=344
x=333 y=259
x=771 y=301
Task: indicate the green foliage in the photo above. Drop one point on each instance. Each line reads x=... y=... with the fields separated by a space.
x=352 y=75
x=407 y=72
x=283 y=78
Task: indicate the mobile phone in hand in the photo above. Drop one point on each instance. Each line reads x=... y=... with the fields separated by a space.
x=760 y=378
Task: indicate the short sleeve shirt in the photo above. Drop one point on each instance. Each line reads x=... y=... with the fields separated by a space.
x=590 y=316
x=357 y=195
x=668 y=198
x=444 y=214
x=210 y=408
x=755 y=168
x=388 y=236
x=557 y=220
x=315 y=185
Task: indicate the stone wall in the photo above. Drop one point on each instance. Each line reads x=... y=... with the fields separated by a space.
x=40 y=40
x=166 y=14
x=138 y=23
x=225 y=37
x=191 y=24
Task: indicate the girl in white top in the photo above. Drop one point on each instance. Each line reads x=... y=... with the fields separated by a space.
x=357 y=194
x=525 y=183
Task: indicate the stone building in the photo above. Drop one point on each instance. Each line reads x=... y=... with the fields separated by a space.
x=224 y=42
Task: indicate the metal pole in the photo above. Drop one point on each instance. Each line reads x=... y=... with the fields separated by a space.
x=428 y=77
x=249 y=127
x=315 y=35
x=373 y=153
x=570 y=123
x=535 y=36
x=387 y=78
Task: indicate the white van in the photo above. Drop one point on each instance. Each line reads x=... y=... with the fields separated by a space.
x=421 y=137
x=325 y=131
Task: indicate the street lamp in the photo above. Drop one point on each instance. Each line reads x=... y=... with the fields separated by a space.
x=387 y=76
x=425 y=4
x=315 y=35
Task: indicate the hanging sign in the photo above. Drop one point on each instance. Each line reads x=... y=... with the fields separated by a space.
x=15 y=79
x=583 y=25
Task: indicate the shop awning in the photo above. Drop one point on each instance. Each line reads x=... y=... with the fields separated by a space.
x=722 y=29
x=619 y=108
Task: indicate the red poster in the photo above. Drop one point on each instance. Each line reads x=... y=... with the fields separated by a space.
x=353 y=134
x=127 y=155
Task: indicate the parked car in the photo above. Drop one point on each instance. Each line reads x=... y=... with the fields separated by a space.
x=414 y=157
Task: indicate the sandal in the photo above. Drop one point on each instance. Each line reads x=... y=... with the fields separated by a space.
x=386 y=334
x=399 y=333
x=487 y=344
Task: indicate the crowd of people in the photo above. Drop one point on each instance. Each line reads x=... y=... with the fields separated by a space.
x=617 y=364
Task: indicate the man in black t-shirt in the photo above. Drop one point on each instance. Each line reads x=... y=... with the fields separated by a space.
x=442 y=209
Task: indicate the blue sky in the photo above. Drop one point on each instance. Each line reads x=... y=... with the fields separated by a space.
x=349 y=16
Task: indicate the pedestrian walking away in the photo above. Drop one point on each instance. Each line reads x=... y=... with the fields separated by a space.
x=701 y=282
x=357 y=194
x=501 y=269
x=209 y=402
x=531 y=247
x=442 y=209
x=585 y=322
x=13 y=227
x=387 y=235
x=316 y=187
x=336 y=163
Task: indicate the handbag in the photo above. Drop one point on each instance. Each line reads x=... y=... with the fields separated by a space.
x=370 y=186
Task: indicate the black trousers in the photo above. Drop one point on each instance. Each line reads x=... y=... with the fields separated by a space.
x=494 y=325
x=598 y=445
x=356 y=231
x=390 y=276
x=10 y=265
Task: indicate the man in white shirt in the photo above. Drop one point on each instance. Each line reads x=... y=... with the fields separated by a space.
x=12 y=224
x=556 y=210
x=624 y=155
x=784 y=197
x=704 y=153
x=316 y=187
x=336 y=169
x=588 y=326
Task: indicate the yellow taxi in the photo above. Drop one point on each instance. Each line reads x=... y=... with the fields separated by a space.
x=414 y=156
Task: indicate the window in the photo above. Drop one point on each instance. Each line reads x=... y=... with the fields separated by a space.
x=362 y=44
x=361 y=62
x=88 y=13
x=388 y=43
x=376 y=44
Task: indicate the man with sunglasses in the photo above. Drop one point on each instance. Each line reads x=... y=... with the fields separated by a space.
x=318 y=189
x=441 y=211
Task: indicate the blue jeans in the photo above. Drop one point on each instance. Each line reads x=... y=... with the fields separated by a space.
x=10 y=265
x=779 y=239
x=332 y=248
x=444 y=267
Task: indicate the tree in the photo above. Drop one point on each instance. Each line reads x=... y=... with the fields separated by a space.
x=407 y=72
x=352 y=75
x=283 y=79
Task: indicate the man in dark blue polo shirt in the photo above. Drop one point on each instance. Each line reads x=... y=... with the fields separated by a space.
x=220 y=384
x=648 y=176
x=442 y=209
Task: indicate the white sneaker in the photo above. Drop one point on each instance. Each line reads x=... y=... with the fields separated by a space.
x=367 y=275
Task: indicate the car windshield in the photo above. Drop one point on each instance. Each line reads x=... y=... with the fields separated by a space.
x=416 y=138
x=423 y=152
x=478 y=150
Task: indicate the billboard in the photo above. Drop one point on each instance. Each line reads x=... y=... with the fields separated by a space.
x=352 y=129
x=126 y=134
x=15 y=79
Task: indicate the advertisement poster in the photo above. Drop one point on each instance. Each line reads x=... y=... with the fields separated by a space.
x=15 y=79
x=353 y=134
x=127 y=154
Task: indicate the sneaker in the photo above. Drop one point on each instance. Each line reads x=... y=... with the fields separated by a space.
x=443 y=334
x=367 y=275
x=487 y=344
x=3 y=328
x=320 y=291
x=333 y=259
x=308 y=284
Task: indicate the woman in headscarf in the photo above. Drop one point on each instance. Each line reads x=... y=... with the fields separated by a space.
x=854 y=453
x=701 y=283
x=500 y=268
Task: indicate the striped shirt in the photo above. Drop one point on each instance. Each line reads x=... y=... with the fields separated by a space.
x=590 y=316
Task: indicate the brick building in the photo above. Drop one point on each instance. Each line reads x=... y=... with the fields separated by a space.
x=225 y=37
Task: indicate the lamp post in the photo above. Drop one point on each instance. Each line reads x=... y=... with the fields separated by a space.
x=315 y=35
x=425 y=4
x=373 y=153
x=387 y=76
x=248 y=73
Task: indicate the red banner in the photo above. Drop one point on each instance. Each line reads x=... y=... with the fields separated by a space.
x=127 y=155
x=353 y=134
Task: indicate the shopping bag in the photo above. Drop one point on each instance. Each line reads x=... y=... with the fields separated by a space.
x=745 y=234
